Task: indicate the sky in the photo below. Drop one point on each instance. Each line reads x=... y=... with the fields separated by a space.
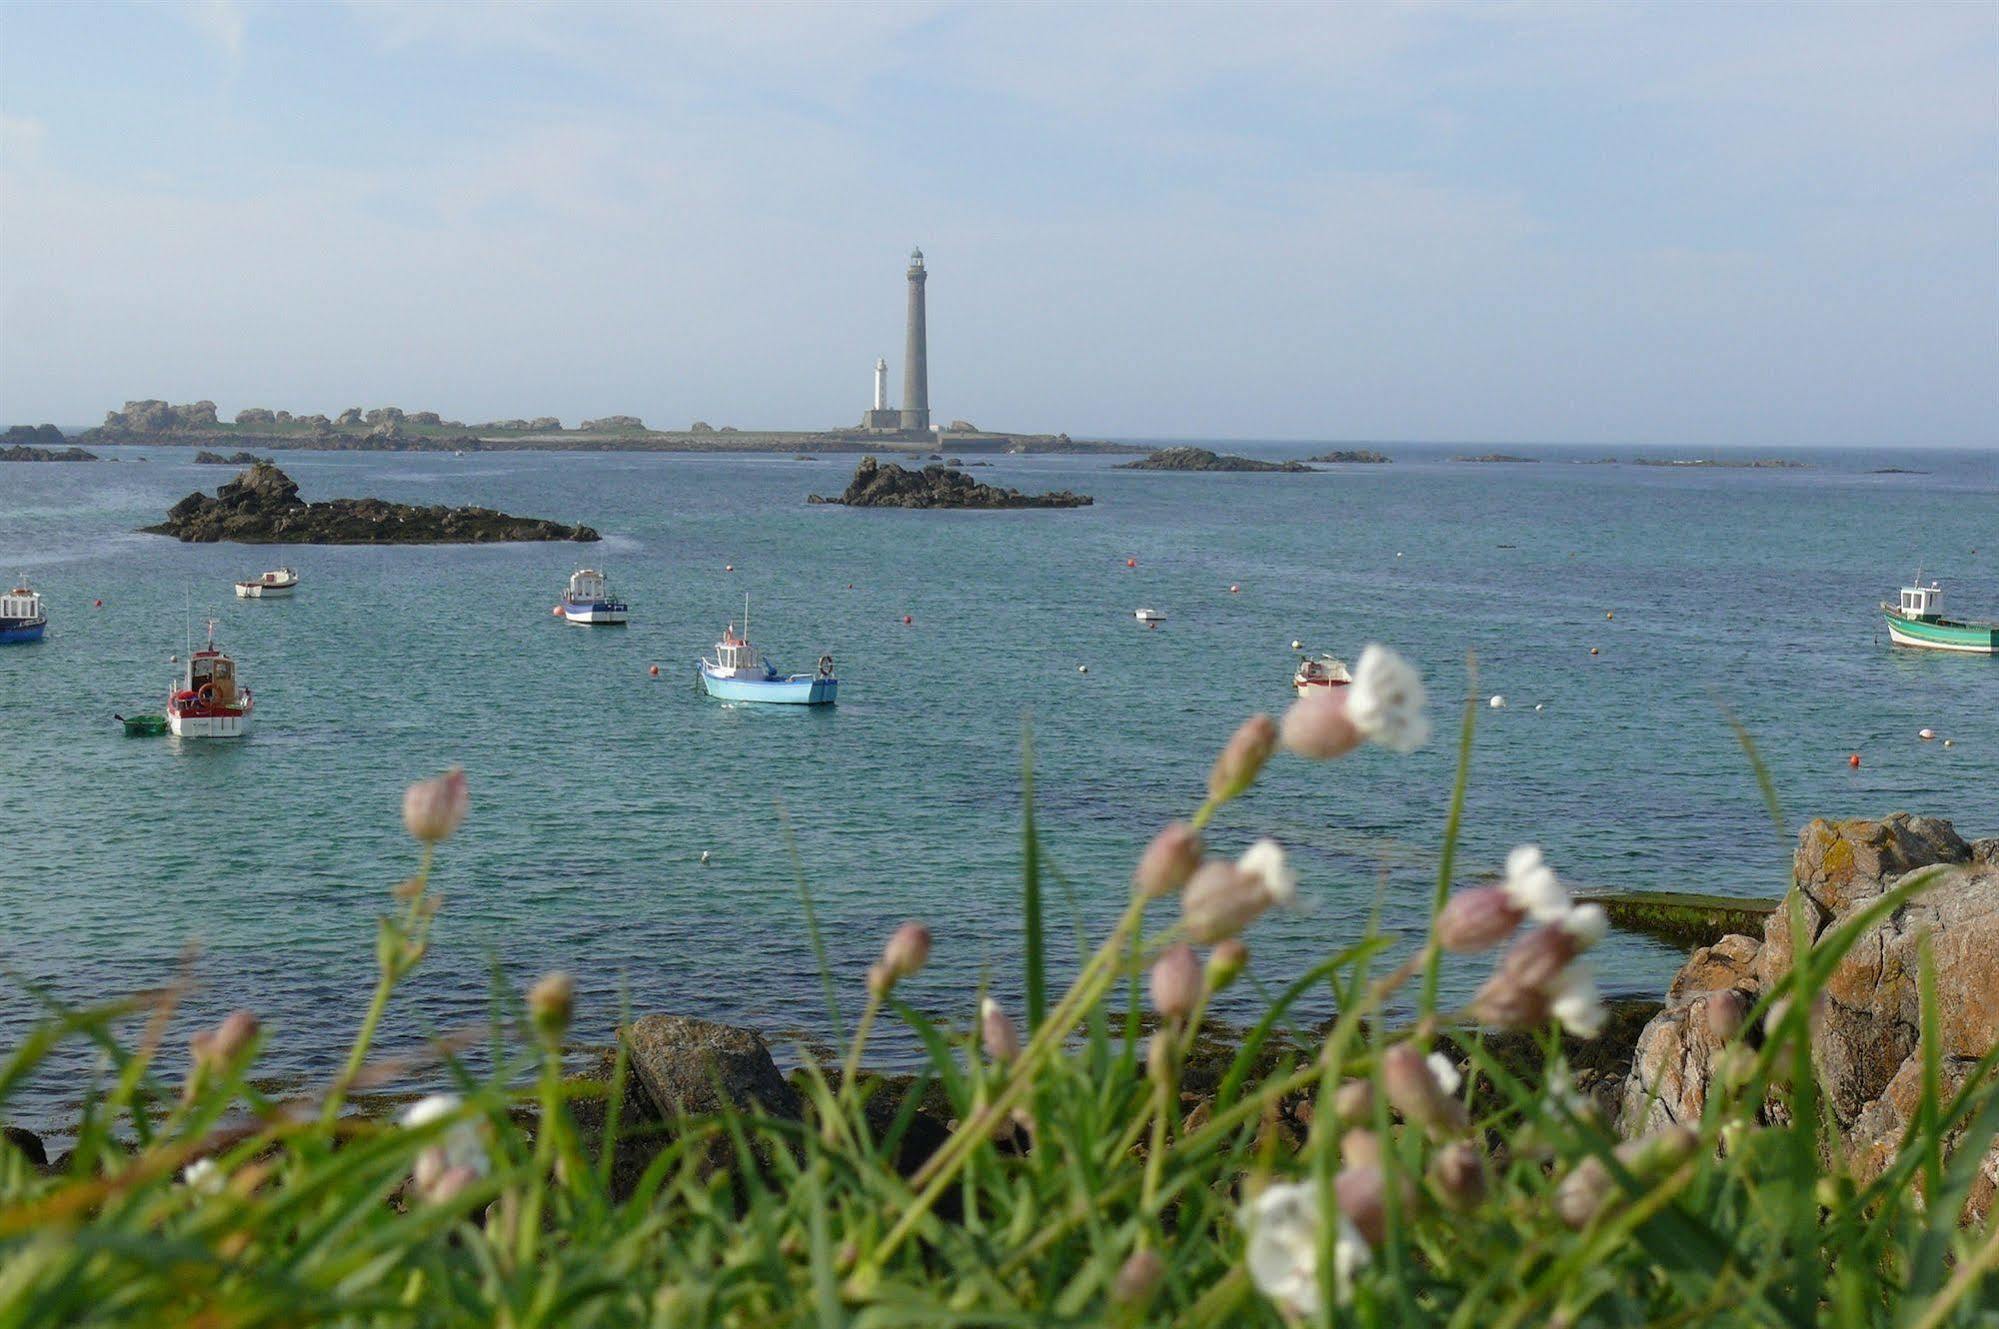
x=1676 y=224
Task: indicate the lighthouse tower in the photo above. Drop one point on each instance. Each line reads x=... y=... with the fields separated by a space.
x=915 y=356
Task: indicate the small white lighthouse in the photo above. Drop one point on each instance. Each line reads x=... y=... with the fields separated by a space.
x=881 y=383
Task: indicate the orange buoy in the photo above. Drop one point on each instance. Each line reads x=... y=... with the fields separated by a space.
x=557 y=611
x=654 y=671
x=1853 y=760
x=1608 y=614
x=907 y=619
x=1131 y=562
x=97 y=604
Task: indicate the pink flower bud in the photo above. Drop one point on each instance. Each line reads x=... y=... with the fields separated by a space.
x=996 y=1031
x=1583 y=1193
x=1458 y=1173
x=1413 y=1091
x=907 y=951
x=1353 y=1103
x=1226 y=963
x=1538 y=959
x=218 y=1047
x=1477 y=920
x=1360 y=1148
x=1505 y=1003
x=1138 y=1279
x=1176 y=983
x=433 y=808
x=1168 y=861
x=551 y=1002
x=1248 y=749
x=1318 y=727
x=1726 y=1011
x=1220 y=901
x=1362 y=1197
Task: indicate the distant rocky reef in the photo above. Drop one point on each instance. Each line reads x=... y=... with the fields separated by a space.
x=1200 y=459
x=1353 y=455
x=1728 y=463
x=262 y=506
x=876 y=485
x=207 y=458
x=1496 y=457
x=23 y=452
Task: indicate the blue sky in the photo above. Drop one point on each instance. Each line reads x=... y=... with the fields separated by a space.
x=1664 y=224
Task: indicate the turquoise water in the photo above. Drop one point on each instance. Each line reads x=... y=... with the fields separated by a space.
x=597 y=788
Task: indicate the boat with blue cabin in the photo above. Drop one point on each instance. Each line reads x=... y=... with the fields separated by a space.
x=739 y=673
x=1918 y=621
x=589 y=601
x=21 y=616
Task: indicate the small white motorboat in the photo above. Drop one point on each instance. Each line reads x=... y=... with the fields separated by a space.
x=1149 y=616
x=208 y=703
x=280 y=581
x=589 y=601
x=1320 y=672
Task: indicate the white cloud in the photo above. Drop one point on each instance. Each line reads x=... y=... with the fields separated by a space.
x=222 y=22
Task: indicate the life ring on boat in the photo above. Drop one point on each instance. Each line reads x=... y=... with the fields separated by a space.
x=825 y=666
x=205 y=694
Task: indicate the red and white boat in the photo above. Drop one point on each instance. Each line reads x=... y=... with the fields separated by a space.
x=208 y=703
x=1320 y=672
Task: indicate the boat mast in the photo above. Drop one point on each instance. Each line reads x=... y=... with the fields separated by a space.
x=746 y=617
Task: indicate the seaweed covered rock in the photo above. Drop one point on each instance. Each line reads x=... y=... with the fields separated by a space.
x=207 y=458
x=879 y=485
x=262 y=506
x=1200 y=459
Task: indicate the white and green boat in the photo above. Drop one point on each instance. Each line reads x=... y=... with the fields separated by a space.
x=1919 y=621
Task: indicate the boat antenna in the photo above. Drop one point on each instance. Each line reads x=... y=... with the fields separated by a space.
x=187 y=619
x=746 y=615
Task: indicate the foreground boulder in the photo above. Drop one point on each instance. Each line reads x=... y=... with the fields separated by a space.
x=694 y=1067
x=876 y=485
x=1865 y=1037
x=1200 y=459
x=262 y=506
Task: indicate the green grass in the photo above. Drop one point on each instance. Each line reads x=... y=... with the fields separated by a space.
x=1073 y=1171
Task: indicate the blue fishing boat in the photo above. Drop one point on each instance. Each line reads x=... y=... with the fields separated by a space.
x=739 y=673
x=21 y=616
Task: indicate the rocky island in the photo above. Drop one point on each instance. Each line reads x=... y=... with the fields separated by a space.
x=1200 y=459
x=1726 y=463
x=879 y=485
x=207 y=458
x=1496 y=457
x=262 y=506
x=1353 y=455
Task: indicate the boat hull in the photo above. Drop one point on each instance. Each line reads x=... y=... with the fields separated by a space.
x=208 y=726
x=805 y=690
x=18 y=634
x=1943 y=635
x=594 y=616
x=249 y=590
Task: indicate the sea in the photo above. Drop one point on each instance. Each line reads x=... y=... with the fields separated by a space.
x=658 y=845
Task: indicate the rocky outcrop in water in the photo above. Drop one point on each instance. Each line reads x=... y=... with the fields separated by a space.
x=1865 y=1036
x=1348 y=455
x=1490 y=457
x=1200 y=459
x=613 y=424
x=262 y=506
x=153 y=416
x=22 y=452
x=46 y=436
x=207 y=458
x=879 y=485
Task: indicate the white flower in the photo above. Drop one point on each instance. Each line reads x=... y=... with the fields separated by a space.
x=1532 y=887
x=1446 y=1073
x=463 y=1144
x=1282 y=1225
x=204 y=1176
x=1577 y=1003
x=1385 y=701
x=1587 y=923
x=1264 y=863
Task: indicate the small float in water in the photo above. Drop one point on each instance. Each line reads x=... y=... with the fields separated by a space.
x=1149 y=616
x=589 y=601
x=142 y=726
x=1320 y=673
x=21 y=616
x=1918 y=621
x=208 y=703
x=739 y=673
x=271 y=585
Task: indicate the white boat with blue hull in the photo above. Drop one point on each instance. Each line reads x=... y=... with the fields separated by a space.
x=739 y=673
x=21 y=616
x=589 y=601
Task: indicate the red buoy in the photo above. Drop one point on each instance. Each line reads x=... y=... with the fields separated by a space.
x=98 y=603
x=1854 y=760
x=907 y=619
x=557 y=611
x=654 y=671
x=1131 y=562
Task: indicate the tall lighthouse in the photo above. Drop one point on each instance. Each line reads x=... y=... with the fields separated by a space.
x=915 y=356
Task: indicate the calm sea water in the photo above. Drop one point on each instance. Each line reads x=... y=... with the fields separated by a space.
x=597 y=788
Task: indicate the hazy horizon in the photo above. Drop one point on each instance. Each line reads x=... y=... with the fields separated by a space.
x=1532 y=224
